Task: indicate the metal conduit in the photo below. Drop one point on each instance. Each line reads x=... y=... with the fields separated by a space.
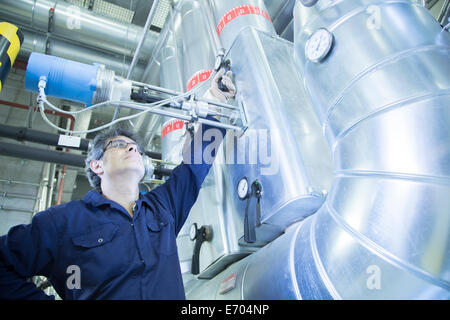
x=50 y=139
x=45 y=155
x=78 y=25
x=8 y=181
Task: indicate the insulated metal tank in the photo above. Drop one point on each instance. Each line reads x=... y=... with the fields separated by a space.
x=382 y=96
x=283 y=147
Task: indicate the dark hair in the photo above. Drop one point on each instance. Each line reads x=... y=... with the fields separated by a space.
x=96 y=151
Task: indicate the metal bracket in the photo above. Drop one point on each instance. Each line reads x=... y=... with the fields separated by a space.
x=51 y=18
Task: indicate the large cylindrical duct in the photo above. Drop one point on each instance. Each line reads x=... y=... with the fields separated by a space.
x=382 y=97
x=197 y=45
x=173 y=130
x=35 y=41
x=78 y=25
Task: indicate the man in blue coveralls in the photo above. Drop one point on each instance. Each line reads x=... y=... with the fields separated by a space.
x=120 y=244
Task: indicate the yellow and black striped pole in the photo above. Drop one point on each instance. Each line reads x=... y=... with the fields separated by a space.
x=11 y=38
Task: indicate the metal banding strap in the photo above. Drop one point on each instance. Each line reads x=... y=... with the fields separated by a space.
x=252 y=218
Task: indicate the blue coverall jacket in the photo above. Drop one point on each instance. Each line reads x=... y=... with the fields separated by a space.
x=117 y=256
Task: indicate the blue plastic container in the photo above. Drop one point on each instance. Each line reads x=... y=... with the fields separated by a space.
x=66 y=79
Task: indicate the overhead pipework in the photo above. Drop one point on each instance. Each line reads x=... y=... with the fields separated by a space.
x=78 y=25
x=333 y=180
x=96 y=86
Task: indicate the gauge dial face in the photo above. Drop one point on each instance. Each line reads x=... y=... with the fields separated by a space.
x=318 y=45
x=242 y=188
x=193 y=231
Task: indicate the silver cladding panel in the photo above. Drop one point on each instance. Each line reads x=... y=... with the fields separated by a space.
x=198 y=51
x=214 y=206
x=382 y=96
x=295 y=169
x=35 y=41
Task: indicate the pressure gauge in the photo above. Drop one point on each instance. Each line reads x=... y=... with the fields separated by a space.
x=242 y=188
x=319 y=45
x=193 y=231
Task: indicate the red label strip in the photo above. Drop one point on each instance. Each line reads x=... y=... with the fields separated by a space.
x=240 y=11
x=172 y=126
x=198 y=77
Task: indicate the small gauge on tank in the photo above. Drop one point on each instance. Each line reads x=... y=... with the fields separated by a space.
x=242 y=188
x=319 y=45
x=193 y=232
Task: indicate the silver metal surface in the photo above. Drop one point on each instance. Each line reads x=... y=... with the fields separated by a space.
x=213 y=207
x=169 y=26
x=78 y=25
x=143 y=37
x=382 y=98
x=198 y=51
x=35 y=41
x=235 y=25
x=172 y=143
x=211 y=26
x=290 y=157
x=284 y=16
x=288 y=32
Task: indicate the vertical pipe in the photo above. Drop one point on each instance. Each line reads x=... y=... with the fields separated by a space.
x=143 y=36
x=61 y=185
x=198 y=53
x=161 y=41
x=210 y=26
x=52 y=183
x=382 y=98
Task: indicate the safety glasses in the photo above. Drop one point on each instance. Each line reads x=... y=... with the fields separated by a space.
x=122 y=144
